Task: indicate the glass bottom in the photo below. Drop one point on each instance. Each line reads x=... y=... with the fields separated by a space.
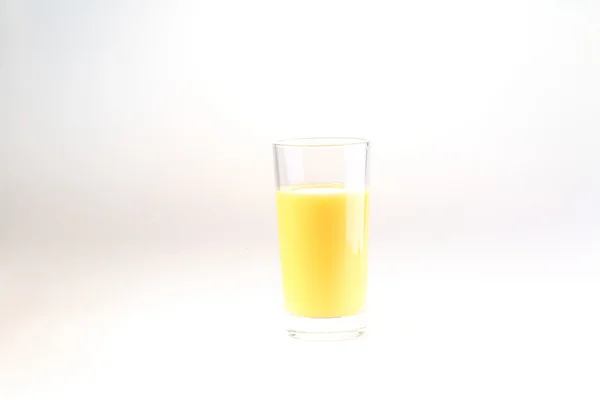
x=326 y=329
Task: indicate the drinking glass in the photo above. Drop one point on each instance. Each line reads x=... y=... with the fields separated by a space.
x=323 y=221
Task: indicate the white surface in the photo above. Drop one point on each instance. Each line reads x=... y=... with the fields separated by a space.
x=157 y=327
x=138 y=252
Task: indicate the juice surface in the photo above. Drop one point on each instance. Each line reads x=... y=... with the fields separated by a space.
x=323 y=231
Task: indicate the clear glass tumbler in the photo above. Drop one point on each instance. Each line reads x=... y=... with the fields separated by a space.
x=323 y=219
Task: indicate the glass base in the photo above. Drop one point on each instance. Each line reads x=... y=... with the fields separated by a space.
x=326 y=329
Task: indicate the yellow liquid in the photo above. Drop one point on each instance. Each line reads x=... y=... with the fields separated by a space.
x=323 y=231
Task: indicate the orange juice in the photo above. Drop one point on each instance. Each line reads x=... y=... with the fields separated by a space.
x=323 y=232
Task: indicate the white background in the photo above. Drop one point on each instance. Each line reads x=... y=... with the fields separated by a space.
x=138 y=244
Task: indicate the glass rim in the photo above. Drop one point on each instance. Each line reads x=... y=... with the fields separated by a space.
x=320 y=142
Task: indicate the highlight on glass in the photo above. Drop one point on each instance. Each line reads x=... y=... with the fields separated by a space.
x=323 y=222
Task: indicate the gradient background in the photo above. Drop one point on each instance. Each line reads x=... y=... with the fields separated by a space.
x=138 y=243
